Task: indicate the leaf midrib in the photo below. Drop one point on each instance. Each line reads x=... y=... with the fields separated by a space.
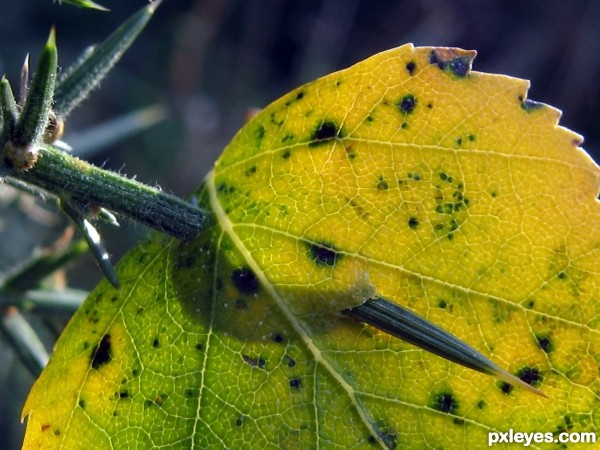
x=227 y=226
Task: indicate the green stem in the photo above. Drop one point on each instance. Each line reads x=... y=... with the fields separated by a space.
x=42 y=301
x=24 y=340
x=80 y=182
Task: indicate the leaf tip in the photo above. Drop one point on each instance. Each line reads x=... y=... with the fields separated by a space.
x=509 y=378
x=153 y=5
x=51 y=42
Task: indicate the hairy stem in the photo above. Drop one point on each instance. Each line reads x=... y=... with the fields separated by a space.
x=89 y=186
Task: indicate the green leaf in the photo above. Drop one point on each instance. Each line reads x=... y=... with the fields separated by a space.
x=84 y=4
x=36 y=111
x=79 y=80
x=24 y=340
x=406 y=176
x=43 y=264
x=22 y=132
x=10 y=112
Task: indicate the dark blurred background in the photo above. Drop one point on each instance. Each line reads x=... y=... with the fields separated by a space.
x=208 y=61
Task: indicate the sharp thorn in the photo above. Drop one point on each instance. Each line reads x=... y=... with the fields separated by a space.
x=410 y=327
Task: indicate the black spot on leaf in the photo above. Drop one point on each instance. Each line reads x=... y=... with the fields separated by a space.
x=81 y=403
x=445 y=402
x=291 y=362
x=324 y=132
x=407 y=103
x=295 y=383
x=191 y=393
x=382 y=184
x=255 y=362
x=225 y=188
x=386 y=434
x=350 y=151
x=529 y=304
x=444 y=208
x=323 y=254
x=102 y=354
x=411 y=67
x=568 y=422
x=156 y=343
x=260 y=132
x=413 y=223
x=505 y=387
x=295 y=98
x=239 y=421
x=245 y=281
x=545 y=343
x=530 y=375
x=274 y=120
x=286 y=154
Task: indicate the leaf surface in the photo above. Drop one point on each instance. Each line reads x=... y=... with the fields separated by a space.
x=406 y=176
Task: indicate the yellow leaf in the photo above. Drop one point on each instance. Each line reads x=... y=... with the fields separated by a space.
x=406 y=176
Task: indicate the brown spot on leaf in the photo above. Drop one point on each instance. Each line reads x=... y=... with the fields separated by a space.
x=453 y=60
